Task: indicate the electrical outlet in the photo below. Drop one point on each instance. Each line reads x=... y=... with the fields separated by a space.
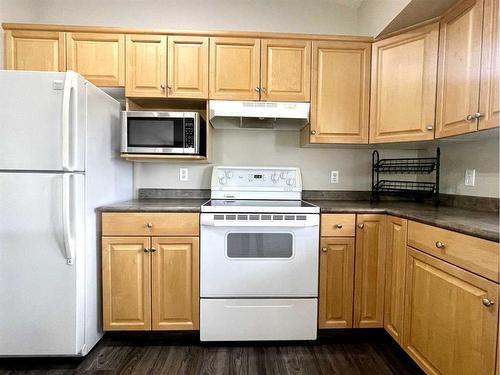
x=334 y=177
x=470 y=177
x=183 y=174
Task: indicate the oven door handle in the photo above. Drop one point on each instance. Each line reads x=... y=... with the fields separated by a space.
x=249 y=224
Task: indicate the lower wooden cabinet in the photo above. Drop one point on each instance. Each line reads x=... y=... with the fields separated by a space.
x=397 y=231
x=369 y=271
x=175 y=283
x=126 y=283
x=150 y=283
x=336 y=284
x=449 y=327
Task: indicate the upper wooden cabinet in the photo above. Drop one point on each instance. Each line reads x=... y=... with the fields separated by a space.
x=449 y=327
x=175 y=283
x=35 y=50
x=403 y=88
x=489 y=98
x=99 y=57
x=395 y=276
x=187 y=69
x=369 y=275
x=340 y=93
x=146 y=66
x=234 y=68
x=336 y=282
x=459 y=69
x=285 y=70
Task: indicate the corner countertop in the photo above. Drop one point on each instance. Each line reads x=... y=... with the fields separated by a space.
x=475 y=223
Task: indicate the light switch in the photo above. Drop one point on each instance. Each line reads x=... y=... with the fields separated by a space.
x=470 y=177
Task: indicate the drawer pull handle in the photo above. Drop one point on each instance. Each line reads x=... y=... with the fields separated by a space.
x=149 y=225
x=324 y=249
x=361 y=225
x=338 y=226
x=146 y=250
x=440 y=245
x=152 y=249
x=488 y=302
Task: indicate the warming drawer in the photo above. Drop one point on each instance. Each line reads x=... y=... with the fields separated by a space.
x=258 y=319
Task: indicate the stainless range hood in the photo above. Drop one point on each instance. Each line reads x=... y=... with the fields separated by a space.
x=229 y=114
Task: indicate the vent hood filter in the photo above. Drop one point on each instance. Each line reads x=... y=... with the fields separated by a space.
x=228 y=114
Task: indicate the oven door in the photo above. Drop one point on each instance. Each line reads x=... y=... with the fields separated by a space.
x=163 y=133
x=259 y=259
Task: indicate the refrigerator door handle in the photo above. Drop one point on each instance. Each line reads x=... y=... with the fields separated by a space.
x=67 y=208
x=68 y=147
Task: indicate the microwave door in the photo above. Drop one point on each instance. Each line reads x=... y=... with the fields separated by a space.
x=155 y=135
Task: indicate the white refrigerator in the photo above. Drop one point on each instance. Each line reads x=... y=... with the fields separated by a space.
x=59 y=160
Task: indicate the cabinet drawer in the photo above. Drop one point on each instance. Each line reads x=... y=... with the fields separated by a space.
x=150 y=224
x=474 y=254
x=338 y=225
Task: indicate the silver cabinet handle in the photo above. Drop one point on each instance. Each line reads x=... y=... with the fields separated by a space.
x=440 y=245
x=162 y=86
x=263 y=89
x=488 y=302
x=477 y=115
x=152 y=249
x=430 y=127
x=361 y=225
x=338 y=226
x=146 y=250
x=324 y=249
x=169 y=87
x=257 y=89
x=313 y=132
x=149 y=225
x=469 y=117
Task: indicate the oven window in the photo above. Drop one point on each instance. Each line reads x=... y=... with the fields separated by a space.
x=259 y=245
x=155 y=132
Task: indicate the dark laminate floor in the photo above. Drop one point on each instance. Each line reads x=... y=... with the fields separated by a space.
x=340 y=352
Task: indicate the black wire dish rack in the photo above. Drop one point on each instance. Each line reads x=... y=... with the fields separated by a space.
x=411 y=189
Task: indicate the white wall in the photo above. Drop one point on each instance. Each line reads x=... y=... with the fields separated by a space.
x=15 y=11
x=252 y=147
x=375 y=15
x=481 y=155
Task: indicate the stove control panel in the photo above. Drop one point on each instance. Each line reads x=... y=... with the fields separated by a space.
x=258 y=182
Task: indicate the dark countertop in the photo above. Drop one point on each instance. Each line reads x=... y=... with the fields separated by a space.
x=156 y=205
x=475 y=223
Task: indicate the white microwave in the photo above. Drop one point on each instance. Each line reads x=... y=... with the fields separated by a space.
x=151 y=132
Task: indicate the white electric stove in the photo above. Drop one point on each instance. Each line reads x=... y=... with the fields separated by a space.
x=259 y=257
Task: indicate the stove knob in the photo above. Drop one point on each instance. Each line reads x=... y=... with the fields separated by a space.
x=290 y=181
x=275 y=177
x=283 y=175
x=229 y=174
x=223 y=180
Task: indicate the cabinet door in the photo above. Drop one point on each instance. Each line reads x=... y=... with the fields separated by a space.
x=234 y=68
x=146 y=74
x=340 y=92
x=403 y=95
x=175 y=283
x=336 y=282
x=489 y=99
x=286 y=70
x=369 y=271
x=126 y=283
x=35 y=50
x=459 y=69
x=98 y=57
x=187 y=67
x=448 y=329
x=397 y=230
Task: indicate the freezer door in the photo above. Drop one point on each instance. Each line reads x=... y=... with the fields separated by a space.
x=42 y=125
x=41 y=295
